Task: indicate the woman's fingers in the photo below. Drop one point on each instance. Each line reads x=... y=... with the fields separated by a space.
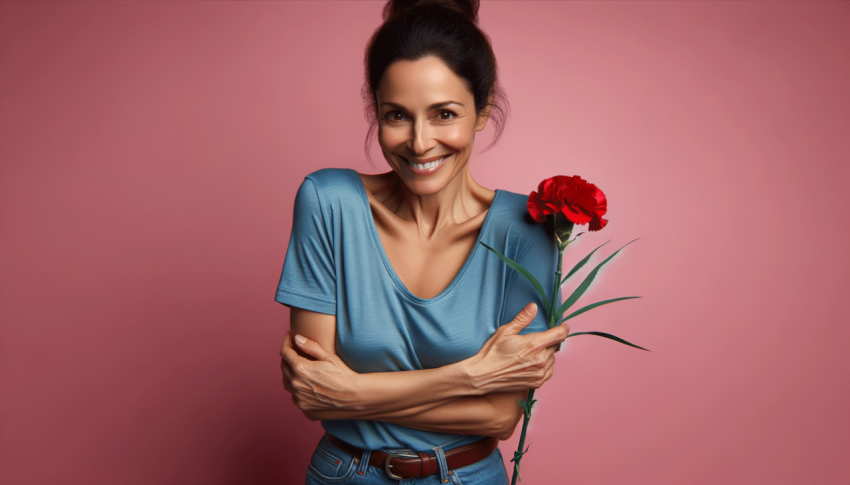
x=549 y=371
x=553 y=336
x=316 y=379
x=509 y=361
x=287 y=344
x=521 y=320
x=285 y=367
x=287 y=376
x=290 y=356
x=312 y=348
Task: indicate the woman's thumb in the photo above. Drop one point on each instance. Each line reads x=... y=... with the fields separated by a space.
x=524 y=317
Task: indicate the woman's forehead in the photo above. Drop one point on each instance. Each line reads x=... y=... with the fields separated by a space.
x=424 y=82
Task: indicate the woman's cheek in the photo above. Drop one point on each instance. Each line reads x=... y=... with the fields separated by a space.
x=389 y=137
x=456 y=137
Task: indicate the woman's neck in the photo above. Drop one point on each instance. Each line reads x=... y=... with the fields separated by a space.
x=461 y=200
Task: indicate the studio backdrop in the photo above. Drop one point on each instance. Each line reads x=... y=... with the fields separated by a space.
x=149 y=158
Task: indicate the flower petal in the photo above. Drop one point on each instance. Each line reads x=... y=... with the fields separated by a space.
x=597 y=224
x=575 y=214
x=534 y=208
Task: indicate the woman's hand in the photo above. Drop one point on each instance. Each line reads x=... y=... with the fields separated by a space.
x=511 y=362
x=317 y=384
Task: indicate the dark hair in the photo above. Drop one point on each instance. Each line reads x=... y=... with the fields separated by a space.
x=446 y=29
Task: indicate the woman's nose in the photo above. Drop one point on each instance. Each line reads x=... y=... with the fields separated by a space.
x=422 y=138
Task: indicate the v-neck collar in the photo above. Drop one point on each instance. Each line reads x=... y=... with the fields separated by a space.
x=379 y=246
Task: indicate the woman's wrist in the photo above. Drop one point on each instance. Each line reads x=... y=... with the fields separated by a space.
x=472 y=377
x=359 y=402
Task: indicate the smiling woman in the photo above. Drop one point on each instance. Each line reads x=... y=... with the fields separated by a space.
x=427 y=122
x=409 y=343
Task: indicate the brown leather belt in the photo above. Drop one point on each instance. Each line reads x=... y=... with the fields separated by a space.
x=407 y=465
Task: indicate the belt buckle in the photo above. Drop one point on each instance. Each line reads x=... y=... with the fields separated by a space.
x=387 y=465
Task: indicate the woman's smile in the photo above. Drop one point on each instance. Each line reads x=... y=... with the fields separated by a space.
x=426 y=166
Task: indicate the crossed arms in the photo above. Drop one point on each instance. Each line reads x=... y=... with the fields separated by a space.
x=474 y=396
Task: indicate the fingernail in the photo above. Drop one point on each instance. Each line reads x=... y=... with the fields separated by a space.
x=531 y=308
x=300 y=339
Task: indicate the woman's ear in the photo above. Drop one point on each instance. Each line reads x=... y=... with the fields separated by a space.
x=481 y=120
x=484 y=116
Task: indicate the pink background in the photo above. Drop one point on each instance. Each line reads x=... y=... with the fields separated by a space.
x=150 y=154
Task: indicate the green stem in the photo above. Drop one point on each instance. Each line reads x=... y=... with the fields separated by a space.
x=526 y=418
x=552 y=317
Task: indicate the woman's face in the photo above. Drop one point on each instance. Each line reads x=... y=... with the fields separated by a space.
x=426 y=117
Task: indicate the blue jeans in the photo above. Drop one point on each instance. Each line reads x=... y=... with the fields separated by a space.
x=329 y=465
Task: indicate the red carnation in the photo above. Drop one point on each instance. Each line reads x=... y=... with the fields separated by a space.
x=571 y=201
x=575 y=198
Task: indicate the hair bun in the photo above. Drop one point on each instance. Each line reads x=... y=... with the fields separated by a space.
x=468 y=8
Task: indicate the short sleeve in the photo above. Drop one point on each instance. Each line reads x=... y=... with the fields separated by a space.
x=308 y=279
x=540 y=257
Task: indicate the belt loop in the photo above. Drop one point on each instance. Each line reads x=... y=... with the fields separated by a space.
x=363 y=466
x=441 y=463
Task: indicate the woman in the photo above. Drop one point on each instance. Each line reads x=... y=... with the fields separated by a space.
x=401 y=336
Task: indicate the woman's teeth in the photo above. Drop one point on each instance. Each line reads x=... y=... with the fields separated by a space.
x=428 y=165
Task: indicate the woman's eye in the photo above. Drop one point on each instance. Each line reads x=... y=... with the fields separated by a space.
x=395 y=116
x=398 y=116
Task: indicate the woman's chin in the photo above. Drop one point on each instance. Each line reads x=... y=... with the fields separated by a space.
x=427 y=185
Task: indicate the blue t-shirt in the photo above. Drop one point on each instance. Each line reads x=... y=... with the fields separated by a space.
x=336 y=265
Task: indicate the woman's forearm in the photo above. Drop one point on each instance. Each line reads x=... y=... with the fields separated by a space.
x=495 y=414
x=387 y=392
x=488 y=415
x=332 y=391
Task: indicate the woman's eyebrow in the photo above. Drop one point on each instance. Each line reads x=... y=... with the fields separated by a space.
x=439 y=105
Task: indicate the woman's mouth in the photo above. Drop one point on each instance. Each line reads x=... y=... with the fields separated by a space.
x=425 y=168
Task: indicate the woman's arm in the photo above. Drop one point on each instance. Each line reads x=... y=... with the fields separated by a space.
x=467 y=397
x=495 y=414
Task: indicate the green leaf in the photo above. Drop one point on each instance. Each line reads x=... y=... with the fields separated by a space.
x=518 y=267
x=523 y=405
x=585 y=284
x=594 y=305
x=518 y=455
x=516 y=459
x=608 y=335
x=581 y=264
